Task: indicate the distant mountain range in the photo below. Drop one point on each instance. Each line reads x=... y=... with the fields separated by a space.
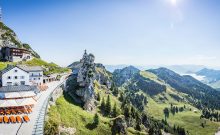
x=181 y=69
x=210 y=77
x=155 y=81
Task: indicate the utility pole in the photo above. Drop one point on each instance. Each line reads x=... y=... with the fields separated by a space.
x=0 y=14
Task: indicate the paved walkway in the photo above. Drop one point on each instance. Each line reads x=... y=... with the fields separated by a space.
x=218 y=133
x=27 y=128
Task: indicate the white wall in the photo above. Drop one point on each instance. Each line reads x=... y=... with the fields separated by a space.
x=16 y=59
x=36 y=77
x=20 y=73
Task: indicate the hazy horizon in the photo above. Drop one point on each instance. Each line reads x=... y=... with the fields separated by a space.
x=150 y=32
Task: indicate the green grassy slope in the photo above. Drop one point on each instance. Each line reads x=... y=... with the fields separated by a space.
x=188 y=119
x=67 y=114
x=3 y=65
x=52 y=67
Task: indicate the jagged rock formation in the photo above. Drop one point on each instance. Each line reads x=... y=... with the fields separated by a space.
x=85 y=80
x=85 y=72
x=9 y=38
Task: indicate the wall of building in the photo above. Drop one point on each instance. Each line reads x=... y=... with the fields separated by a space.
x=20 y=74
x=16 y=59
x=36 y=77
x=27 y=56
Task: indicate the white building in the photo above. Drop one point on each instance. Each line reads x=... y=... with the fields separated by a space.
x=35 y=74
x=13 y=54
x=21 y=75
x=13 y=75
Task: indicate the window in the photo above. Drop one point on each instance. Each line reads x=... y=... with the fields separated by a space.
x=22 y=77
x=16 y=70
x=22 y=82
x=38 y=78
x=9 y=83
x=16 y=77
x=9 y=77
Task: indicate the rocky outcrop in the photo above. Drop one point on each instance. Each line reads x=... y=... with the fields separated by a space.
x=85 y=78
x=81 y=84
x=119 y=126
x=66 y=131
x=86 y=72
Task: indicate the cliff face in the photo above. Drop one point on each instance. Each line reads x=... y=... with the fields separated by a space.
x=9 y=38
x=85 y=72
x=85 y=80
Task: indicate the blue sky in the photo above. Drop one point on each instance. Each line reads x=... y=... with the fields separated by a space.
x=139 y=32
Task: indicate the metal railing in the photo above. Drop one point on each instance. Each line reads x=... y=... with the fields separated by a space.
x=40 y=122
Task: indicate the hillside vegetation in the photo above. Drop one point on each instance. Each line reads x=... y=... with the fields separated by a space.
x=155 y=85
x=68 y=114
x=50 y=68
x=151 y=102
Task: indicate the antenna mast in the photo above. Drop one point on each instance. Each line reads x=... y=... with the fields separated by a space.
x=0 y=14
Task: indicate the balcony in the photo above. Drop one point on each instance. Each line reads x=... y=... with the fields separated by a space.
x=36 y=75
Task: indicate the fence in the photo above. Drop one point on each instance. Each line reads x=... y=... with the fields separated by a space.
x=39 y=124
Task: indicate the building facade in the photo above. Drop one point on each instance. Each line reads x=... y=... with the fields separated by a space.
x=35 y=74
x=21 y=75
x=15 y=76
x=14 y=54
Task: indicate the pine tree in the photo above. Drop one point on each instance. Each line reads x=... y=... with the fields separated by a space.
x=115 y=92
x=166 y=112
x=121 y=98
x=174 y=128
x=177 y=110
x=103 y=104
x=133 y=112
x=96 y=119
x=145 y=100
x=108 y=106
x=98 y=97
x=138 y=125
x=151 y=131
x=127 y=111
x=114 y=111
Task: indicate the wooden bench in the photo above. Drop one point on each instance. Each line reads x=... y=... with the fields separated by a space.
x=19 y=120
x=1 y=119
x=12 y=119
x=6 y=120
x=26 y=118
